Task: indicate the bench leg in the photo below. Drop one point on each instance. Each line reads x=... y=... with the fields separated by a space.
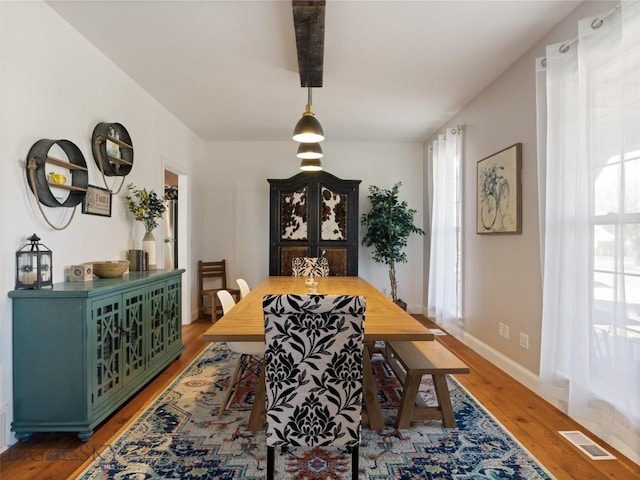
x=372 y=349
x=408 y=400
x=444 y=400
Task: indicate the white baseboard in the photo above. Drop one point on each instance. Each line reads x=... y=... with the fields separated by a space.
x=532 y=382
x=504 y=363
x=415 y=310
x=3 y=428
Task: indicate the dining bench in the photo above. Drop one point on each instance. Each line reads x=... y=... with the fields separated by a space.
x=410 y=361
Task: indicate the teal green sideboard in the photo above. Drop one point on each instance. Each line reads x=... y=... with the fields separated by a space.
x=81 y=349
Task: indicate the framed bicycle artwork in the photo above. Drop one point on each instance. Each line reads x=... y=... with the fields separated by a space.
x=499 y=192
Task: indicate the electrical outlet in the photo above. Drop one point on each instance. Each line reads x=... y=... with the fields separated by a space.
x=524 y=340
x=506 y=332
x=501 y=329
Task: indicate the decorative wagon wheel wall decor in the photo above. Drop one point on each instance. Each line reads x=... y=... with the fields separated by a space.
x=38 y=158
x=110 y=164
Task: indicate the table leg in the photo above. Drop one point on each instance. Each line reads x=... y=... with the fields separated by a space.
x=370 y=393
x=256 y=419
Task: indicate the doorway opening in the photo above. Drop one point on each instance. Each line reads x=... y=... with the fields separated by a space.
x=172 y=227
x=176 y=231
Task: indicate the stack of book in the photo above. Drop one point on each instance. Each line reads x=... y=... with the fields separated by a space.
x=138 y=260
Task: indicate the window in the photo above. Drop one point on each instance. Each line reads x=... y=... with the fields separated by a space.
x=445 y=264
x=615 y=310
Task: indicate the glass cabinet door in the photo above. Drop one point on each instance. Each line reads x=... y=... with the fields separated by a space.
x=133 y=344
x=174 y=311
x=157 y=333
x=106 y=315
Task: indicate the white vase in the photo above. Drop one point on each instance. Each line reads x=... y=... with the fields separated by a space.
x=149 y=246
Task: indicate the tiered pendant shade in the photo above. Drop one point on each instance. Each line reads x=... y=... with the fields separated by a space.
x=308 y=132
x=311 y=165
x=308 y=128
x=309 y=151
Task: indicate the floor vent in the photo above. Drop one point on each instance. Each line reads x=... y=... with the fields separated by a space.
x=3 y=428
x=587 y=446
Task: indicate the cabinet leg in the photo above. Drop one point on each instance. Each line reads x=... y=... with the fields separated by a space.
x=23 y=436
x=84 y=436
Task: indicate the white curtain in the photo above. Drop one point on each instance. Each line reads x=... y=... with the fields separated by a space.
x=590 y=353
x=444 y=295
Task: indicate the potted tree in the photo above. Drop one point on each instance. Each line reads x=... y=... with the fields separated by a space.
x=389 y=223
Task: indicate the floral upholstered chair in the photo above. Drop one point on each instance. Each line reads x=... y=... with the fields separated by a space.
x=310 y=267
x=313 y=372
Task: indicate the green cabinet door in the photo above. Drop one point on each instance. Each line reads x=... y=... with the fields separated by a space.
x=157 y=320
x=173 y=310
x=106 y=321
x=132 y=333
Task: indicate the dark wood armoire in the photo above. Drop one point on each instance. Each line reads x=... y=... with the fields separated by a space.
x=314 y=214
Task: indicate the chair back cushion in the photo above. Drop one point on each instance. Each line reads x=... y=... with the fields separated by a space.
x=313 y=369
x=310 y=266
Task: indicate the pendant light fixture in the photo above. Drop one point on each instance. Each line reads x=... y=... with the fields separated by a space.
x=310 y=165
x=308 y=19
x=309 y=132
x=309 y=151
x=308 y=128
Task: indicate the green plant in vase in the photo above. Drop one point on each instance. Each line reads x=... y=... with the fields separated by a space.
x=389 y=224
x=147 y=207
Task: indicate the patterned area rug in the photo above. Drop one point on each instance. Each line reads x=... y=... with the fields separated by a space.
x=180 y=437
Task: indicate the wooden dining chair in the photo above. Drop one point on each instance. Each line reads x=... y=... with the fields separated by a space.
x=313 y=372
x=212 y=277
x=251 y=355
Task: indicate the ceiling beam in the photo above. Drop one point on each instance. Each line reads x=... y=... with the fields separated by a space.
x=308 y=20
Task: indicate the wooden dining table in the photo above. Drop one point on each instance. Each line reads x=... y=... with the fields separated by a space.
x=384 y=320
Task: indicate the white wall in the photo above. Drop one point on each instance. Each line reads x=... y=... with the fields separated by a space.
x=502 y=273
x=54 y=84
x=236 y=202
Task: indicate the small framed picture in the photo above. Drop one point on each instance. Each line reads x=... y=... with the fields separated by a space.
x=499 y=194
x=97 y=201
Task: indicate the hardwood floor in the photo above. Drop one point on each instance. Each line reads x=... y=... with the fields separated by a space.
x=533 y=421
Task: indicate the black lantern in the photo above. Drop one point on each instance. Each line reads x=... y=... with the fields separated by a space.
x=33 y=265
